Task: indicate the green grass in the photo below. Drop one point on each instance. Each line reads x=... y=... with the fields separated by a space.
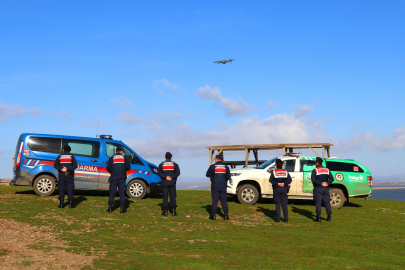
x=364 y=234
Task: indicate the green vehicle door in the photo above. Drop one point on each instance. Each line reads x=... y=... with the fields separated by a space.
x=308 y=185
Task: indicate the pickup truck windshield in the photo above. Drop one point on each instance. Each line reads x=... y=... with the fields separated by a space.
x=266 y=164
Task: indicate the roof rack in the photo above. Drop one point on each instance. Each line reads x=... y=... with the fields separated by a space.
x=289 y=147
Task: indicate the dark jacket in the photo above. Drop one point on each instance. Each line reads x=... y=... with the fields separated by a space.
x=280 y=176
x=66 y=160
x=219 y=172
x=168 y=168
x=117 y=166
x=320 y=175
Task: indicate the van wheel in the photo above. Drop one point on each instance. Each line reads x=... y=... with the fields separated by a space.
x=337 y=198
x=45 y=185
x=136 y=189
x=248 y=194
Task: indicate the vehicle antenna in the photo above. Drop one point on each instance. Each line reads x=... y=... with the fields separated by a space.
x=98 y=123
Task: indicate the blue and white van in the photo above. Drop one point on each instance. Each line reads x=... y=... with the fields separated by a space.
x=35 y=155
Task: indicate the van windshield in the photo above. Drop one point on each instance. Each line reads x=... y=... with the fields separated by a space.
x=266 y=164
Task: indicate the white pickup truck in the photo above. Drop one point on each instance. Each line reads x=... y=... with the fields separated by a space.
x=249 y=184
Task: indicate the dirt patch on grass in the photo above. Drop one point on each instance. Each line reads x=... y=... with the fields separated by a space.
x=17 y=239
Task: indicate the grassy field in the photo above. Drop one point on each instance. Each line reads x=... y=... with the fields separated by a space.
x=365 y=234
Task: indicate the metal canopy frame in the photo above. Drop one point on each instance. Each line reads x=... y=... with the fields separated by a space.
x=256 y=147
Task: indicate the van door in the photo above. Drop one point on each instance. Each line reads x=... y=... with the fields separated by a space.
x=289 y=166
x=109 y=152
x=87 y=154
x=308 y=186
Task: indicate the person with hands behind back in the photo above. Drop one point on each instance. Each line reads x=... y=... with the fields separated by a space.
x=66 y=164
x=168 y=171
x=280 y=179
x=321 y=178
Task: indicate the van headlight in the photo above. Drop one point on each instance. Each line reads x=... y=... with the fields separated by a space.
x=235 y=174
x=153 y=169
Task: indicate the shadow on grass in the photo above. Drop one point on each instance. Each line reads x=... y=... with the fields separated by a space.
x=270 y=213
x=208 y=208
x=303 y=212
x=117 y=204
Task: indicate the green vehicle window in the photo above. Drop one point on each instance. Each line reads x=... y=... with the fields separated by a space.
x=343 y=167
x=306 y=162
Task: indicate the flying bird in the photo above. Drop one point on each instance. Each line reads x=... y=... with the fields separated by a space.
x=224 y=61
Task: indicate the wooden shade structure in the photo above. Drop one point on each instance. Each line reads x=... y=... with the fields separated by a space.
x=289 y=147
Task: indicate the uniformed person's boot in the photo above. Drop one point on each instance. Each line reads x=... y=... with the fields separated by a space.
x=317 y=219
x=174 y=212
x=277 y=220
x=61 y=204
x=110 y=208
x=213 y=216
x=329 y=218
x=122 y=209
x=164 y=213
x=226 y=217
x=71 y=205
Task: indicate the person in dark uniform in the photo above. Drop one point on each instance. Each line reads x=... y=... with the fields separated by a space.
x=219 y=174
x=117 y=166
x=168 y=171
x=280 y=179
x=66 y=164
x=321 y=178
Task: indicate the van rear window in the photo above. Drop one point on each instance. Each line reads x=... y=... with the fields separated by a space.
x=83 y=147
x=343 y=167
x=45 y=144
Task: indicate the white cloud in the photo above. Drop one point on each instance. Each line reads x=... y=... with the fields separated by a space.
x=122 y=102
x=16 y=111
x=271 y=105
x=164 y=82
x=129 y=119
x=230 y=105
x=389 y=142
x=303 y=110
x=64 y=114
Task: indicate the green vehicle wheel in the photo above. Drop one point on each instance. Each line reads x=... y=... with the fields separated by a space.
x=337 y=198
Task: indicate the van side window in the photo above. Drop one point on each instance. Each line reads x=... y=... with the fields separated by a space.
x=83 y=147
x=306 y=162
x=45 y=144
x=289 y=165
x=343 y=167
x=110 y=151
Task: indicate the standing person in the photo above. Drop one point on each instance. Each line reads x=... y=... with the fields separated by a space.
x=219 y=174
x=168 y=171
x=280 y=179
x=321 y=178
x=66 y=164
x=117 y=166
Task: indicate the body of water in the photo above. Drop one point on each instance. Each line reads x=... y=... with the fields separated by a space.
x=389 y=194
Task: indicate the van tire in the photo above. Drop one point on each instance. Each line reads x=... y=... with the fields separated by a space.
x=337 y=198
x=136 y=189
x=248 y=194
x=44 y=185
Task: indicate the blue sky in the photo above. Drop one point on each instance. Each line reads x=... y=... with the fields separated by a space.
x=313 y=71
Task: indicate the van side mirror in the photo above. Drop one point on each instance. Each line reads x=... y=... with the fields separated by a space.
x=272 y=168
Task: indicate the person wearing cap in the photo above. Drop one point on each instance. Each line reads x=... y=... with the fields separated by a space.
x=66 y=164
x=168 y=171
x=280 y=179
x=219 y=175
x=117 y=166
x=321 y=178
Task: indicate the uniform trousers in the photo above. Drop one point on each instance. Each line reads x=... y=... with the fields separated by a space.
x=122 y=188
x=280 y=199
x=66 y=184
x=321 y=194
x=166 y=191
x=218 y=191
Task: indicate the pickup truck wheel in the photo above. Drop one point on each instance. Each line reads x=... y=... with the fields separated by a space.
x=248 y=194
x=44 y=185
x=337 y=198
x=136 y=189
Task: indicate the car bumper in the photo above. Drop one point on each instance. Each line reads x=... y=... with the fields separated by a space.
x=154 y=187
